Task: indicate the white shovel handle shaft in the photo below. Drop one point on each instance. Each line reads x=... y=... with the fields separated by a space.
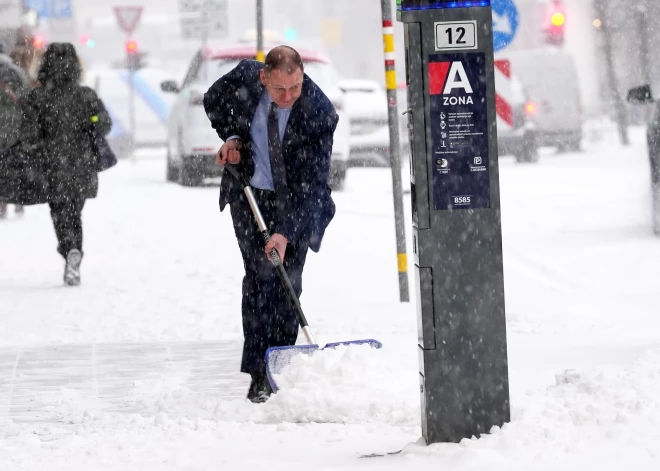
x=308 y=335
x=255 y=210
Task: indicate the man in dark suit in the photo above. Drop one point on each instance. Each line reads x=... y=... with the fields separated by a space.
x=278 y=129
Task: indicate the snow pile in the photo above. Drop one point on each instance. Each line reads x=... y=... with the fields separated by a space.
x=582 y=410
x=347 y=384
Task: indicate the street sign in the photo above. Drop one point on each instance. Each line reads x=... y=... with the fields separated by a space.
x=455 y=35
x=128 y=18
x=10 y=14
x=51 y=8
x=203 y=19
x=505 y=23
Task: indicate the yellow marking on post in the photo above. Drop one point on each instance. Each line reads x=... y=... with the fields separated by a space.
x=261 y=57
x=390 y=79
x=403 y=262
x=388 y=41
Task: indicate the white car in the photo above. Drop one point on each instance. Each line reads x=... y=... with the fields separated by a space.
x=193 y=143
x=550 y=79
x=366 y=105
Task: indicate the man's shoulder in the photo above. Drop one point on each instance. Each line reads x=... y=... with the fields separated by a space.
x=240 y=82
x=245 y=69
x=317 y=107
x=313 y=93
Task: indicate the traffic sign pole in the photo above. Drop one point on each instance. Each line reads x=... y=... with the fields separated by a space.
x=131 y=110
x=128 y=19
x=395 y=150
x=261 y=57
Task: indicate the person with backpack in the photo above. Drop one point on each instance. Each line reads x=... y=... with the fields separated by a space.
x=14 y=84
x=62 y=122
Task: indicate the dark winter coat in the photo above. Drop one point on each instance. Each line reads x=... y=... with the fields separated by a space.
x=231 y=104
x=55 y=160
x=13 y=86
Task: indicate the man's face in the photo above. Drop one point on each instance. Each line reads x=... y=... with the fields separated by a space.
x=284 y=88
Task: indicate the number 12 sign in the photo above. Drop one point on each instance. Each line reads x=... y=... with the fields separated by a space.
x=454 y=35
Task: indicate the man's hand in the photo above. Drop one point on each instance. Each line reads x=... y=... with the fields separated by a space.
x=277 y=242
x=229 y=153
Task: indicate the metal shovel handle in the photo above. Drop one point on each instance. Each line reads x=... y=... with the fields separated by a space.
x=274 y=256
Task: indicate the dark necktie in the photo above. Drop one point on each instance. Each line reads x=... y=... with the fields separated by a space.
x=277 y=163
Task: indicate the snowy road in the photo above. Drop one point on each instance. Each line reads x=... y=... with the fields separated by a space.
x=162 y=269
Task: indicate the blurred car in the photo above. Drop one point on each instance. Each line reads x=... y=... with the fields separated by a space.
x=521 y=139
x=151 y=107
x=192 y=143
x=366 y=106
x=551 y=81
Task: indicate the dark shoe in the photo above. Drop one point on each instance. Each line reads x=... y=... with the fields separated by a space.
x=72 y=268
x=260 y=389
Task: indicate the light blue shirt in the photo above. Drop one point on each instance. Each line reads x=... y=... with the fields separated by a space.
x=263 y=176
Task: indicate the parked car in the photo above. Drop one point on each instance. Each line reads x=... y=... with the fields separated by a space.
x=644 y=96
x=521 y=139
x=550 y=79
x=366 y=106
x=193 y=143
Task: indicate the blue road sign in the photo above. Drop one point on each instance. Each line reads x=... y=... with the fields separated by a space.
x=505 y=23
x=51 y=8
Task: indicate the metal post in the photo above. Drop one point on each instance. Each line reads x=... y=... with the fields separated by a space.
x=261 y=57
x=644 y=45
x=131 y=102
x=395 y=149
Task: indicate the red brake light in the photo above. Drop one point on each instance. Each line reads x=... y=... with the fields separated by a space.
x=530 y=108
x=38 y=42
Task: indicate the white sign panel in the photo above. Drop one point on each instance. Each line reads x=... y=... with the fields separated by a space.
x=10 y=14
x=455 y=35
x=128 y=17
x=203 y=19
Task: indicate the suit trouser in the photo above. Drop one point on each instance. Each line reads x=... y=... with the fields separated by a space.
x=18 y=209
x=268 y=319
x=67 y=221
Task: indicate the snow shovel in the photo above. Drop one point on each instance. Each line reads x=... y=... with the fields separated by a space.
x=277 y=358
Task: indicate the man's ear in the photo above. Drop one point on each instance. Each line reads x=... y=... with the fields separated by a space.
x=262 y=76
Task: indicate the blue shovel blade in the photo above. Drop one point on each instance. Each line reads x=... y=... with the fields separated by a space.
x=278 y=358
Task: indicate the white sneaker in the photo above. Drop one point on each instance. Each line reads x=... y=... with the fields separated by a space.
x=72 y=268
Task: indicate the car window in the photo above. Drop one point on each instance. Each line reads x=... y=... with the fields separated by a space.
x=193 y=70
x=324 y=75
x=219 y=67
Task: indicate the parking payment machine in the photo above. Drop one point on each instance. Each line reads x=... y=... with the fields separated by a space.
x=457 y=235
